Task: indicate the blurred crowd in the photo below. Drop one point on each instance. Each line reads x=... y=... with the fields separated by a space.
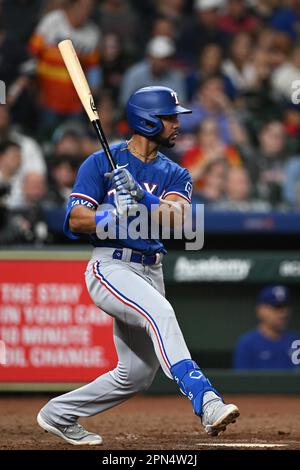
x=236 y=63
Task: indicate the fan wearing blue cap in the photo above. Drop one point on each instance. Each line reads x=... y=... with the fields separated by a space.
x=269 y=346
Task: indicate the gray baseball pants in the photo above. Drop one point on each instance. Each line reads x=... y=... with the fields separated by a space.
x=146 y=335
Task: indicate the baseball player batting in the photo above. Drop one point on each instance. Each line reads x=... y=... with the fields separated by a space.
x=124 y=276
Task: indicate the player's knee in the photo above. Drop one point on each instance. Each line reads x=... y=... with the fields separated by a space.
x=144 y=378
x=167 y=318
x=137 y=379
x=166 y=311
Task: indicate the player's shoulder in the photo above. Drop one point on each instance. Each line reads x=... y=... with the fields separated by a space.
x=172 y=167
x=292 y=335
x=90 y=35
x=99 y=160
x=248 y=338
x=118 y=147
x=115 y=149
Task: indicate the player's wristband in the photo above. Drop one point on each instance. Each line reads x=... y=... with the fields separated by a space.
x=150 y=201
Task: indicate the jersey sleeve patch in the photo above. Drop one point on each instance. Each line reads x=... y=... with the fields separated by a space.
x=176 y=193
x=84 y=200
x=180 y=185
x=77 y=200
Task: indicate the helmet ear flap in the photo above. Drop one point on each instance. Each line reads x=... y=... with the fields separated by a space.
x=143 y=122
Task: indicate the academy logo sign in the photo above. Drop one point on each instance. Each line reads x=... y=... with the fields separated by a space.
x=211 y=269
x=290 y=268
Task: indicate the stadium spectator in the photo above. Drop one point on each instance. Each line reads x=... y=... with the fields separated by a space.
x=114 y=64
x=263 y=70
x=14 y=228
x=114 y=128
x=32 y=157
x=163 y=26
x=237 y=18
x=210 y=62
x=287 y=73
x=200 y=30
x=10 y=162
x=213 y=186
x=34 y=190
x=257 y=104
x=276 y=44
x=238 y=193
x=58 y=99
x=291 y=185
x=211 y=102
x=267 y=162
x=154 y=70
x=264 y=9
x=291 y=123
x=15 y=72
x=12 y=55
x=78 y=141
x=68 y=141
x=209 y=148
x=239 y=66
x=62 y=177
x=269 y=346
x=237 y=186
x=118 y=18
x=26 y=222
x=171 y=9
x=286 y=19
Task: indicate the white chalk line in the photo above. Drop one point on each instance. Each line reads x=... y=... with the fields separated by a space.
x=239 y=444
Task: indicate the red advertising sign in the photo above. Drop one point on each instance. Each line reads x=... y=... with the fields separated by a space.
x=50 y=330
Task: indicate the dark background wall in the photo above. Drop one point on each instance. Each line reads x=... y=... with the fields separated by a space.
x=213 y=316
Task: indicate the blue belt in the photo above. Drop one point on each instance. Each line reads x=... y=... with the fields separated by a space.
x=146 y=260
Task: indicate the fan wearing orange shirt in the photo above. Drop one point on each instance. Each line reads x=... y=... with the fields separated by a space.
x=209 y=148
x=57 y=96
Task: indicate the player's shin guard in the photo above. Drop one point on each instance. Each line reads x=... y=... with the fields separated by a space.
x=192 y=383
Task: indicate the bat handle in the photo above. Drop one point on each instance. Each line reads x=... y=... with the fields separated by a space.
x=98 y=128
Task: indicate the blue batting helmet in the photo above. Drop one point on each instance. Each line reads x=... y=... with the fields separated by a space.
x=146 y=105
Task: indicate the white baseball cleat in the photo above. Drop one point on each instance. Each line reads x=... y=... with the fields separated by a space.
x=74 y=434
x=217 y=416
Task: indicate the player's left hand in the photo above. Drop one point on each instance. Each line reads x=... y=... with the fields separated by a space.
x=122 y=179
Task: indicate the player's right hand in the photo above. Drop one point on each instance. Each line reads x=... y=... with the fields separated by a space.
x=122 y=179
x=125 y=203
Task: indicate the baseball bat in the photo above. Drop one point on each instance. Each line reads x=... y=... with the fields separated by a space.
x=83 y=91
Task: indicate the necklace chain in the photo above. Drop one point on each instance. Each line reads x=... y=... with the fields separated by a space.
x=133 y=150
